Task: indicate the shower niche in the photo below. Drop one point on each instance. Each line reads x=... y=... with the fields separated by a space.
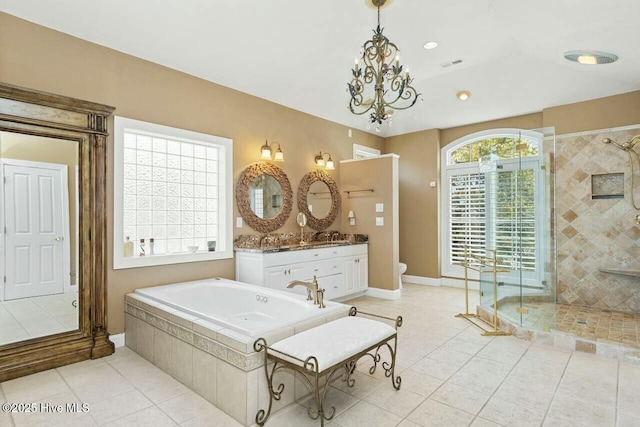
x=607 y=186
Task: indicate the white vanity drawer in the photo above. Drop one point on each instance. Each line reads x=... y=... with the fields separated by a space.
x=354 y=250
x=302 y=255
x=327 y=267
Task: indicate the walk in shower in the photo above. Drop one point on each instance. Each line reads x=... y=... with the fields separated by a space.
x=560 y=216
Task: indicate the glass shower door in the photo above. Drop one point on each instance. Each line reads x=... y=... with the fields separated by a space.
x=520 y=228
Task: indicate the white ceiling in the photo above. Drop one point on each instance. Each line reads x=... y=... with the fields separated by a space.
x=299 y=53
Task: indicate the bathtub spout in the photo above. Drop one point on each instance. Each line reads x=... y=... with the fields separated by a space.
x=312 y=288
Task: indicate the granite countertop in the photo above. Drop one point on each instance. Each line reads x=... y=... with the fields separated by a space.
x=281 y=242
x=298 y=247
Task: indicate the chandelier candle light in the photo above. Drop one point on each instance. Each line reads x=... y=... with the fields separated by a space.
x=379 y=86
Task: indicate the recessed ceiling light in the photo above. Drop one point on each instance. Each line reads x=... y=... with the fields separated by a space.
x=463 y=95
x=590 y=57
x=430 y=45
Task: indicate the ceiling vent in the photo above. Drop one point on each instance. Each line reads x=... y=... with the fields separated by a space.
x=454 y=62
x=590 y=57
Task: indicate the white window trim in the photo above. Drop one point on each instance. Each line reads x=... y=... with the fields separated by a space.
x=455 y=271
x=224 y=249
x=364 y=152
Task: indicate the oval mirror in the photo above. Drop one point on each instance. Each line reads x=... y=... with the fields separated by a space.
x=264 y=197
x=319 y=199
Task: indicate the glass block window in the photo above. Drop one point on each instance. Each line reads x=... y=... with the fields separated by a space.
x=175 y=189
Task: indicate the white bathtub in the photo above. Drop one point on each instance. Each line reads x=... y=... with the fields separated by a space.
x=248 y=309
x=203 y=332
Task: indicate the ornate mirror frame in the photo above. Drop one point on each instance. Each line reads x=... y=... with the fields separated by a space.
x=303 y=205
x=246 y=180
x=38 y=113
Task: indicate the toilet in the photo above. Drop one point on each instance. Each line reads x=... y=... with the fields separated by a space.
x=402 y=268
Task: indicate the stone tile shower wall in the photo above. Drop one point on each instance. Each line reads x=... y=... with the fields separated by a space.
x=595 y=234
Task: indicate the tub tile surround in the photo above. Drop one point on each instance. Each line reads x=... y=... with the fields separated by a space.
x=523 y=382
x=594 y=234
x=218 y=364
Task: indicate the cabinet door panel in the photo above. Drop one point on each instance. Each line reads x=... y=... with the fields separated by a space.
x=362 y=281
x=333 y=286
x=350 y=275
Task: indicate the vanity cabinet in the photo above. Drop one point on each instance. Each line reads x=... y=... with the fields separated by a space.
x=340 y=270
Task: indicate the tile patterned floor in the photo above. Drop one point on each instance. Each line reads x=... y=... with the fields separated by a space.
x=25 y=318
x=451 y=376
x=584 y=322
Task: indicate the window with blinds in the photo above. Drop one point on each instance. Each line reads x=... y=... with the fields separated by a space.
x=512 y=218
x=492 y=203
x=467 y=215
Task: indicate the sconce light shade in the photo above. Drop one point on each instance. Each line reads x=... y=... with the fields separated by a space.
x=320 y=161
x=330 y=165
x=278 y=155
x=266 y=151
x=352 y=218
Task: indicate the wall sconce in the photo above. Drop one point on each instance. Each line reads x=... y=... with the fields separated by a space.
x=352 y=218
x=321 y=162
x=278 y=156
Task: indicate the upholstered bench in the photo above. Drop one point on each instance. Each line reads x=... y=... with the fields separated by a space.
x=320 y=352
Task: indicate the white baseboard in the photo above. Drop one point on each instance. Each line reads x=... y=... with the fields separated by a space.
x=384 y=293
x=419 y=280
x=117 y=339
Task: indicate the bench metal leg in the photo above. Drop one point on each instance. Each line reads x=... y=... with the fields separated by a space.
x=262 y=415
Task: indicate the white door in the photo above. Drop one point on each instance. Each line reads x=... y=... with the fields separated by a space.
x=34 y=219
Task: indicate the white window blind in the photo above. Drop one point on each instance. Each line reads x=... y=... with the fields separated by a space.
x=512 y=220
x=467 y=215
x=494 y=211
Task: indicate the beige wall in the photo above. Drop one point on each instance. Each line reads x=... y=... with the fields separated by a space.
x=602 y=113
x=39 y=58
x=381 y=175
x=419 y=164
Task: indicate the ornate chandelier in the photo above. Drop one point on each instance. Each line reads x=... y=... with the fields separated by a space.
x=379 y=87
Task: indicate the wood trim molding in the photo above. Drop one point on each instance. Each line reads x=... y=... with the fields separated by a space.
x=38 y=113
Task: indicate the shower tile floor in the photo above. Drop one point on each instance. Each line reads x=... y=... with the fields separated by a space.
x=584 y=322
x=451 y=376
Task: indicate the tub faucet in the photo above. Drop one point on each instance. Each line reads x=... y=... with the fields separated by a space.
x=312 y=287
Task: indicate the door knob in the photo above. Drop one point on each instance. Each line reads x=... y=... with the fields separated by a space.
x=58 y=238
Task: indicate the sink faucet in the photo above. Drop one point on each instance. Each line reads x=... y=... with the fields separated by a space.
x=336 y=235
x=312 y=287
